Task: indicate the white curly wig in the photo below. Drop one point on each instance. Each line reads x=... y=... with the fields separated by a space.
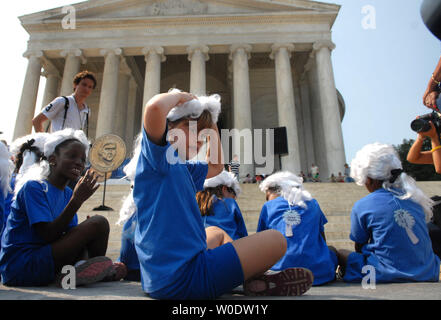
x=289 y=186
x=377 y=161
x=195 y=107
x=225 y=178
x=39 y=137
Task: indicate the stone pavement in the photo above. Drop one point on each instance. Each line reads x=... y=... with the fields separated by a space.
x=125 y=290
x=335 y=199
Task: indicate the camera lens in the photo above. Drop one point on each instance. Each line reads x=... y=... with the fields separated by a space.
x=420 y=125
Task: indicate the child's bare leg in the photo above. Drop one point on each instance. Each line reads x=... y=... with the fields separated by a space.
x=216 y=237
x=91 y=236
x=260 y=251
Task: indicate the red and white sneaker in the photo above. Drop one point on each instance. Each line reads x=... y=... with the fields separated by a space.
x=288 y=282
x=93 y=270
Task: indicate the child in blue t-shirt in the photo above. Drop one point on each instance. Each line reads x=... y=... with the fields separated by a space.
x=220 y=212
x=170 y=238
x=42 y=233
x=388 y=225
x=293 y=212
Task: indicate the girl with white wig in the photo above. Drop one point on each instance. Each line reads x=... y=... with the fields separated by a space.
x=42 y=234
x=388 y=225
x=291 y=210
x=6 y=167
x=25 y=151
x=127 y=215
x=170 y=237
x=220 y=212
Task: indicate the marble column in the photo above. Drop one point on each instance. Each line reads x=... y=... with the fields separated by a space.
x=316 y=117
x=335 y=152
x=26 y=109
x=152 y=82
x=240 y=54
x=122 y=100
x=131 y=111
x=74 y=59
x=307 y=122
x=198 y=55
x=50 y=89
x=286 y=107
x=109 y=92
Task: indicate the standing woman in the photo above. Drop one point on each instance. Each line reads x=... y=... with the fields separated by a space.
x=42 y=233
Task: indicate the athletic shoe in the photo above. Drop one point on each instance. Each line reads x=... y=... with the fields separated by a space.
x=93 y=270
x=289 y=282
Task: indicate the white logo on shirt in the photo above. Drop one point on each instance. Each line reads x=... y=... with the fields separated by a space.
x=405 y=220
x=291 y=218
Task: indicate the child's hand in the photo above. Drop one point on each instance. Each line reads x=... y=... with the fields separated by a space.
x=86 y=187
x=184 y=97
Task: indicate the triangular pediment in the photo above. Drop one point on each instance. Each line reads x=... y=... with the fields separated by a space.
x=135 y=9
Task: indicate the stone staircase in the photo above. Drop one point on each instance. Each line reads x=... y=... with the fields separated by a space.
x=335 y=199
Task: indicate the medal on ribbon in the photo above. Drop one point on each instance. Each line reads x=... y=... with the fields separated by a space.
x=291 y=218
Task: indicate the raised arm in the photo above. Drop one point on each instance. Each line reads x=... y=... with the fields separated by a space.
x=432 y=93
x=85 y=188
x=417 y=156
x=156 y=111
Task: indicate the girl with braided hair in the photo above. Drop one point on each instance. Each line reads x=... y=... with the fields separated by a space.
x=42 y=234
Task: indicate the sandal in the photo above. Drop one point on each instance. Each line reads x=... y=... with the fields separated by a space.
x=288 y=282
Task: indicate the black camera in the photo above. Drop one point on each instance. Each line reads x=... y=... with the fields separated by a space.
x=422 y=123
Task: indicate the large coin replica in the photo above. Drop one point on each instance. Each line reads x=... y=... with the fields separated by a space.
x=106 y=155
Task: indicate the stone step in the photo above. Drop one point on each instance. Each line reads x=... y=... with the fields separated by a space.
x=335 y=200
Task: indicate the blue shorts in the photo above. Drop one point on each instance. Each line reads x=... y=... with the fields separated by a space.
x=356 y=262
x=209 y=275
x=38 y=269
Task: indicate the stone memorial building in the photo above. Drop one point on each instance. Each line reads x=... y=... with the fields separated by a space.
x=270 y=61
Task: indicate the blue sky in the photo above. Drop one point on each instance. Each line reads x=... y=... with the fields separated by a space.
x=381 y=73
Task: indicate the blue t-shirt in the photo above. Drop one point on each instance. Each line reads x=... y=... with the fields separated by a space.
x=128 y=254
x=169 y=231
x=302 y=229
x=396 y=238
x=36 y=202
x=227 y=216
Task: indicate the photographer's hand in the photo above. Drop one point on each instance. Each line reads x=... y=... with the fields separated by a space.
x=430 y=98
x=415 y=155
